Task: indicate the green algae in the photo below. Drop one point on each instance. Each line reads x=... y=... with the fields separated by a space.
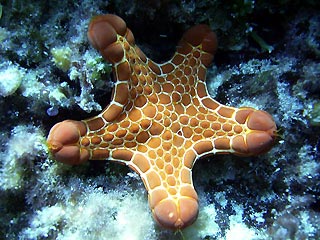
x=315 y=115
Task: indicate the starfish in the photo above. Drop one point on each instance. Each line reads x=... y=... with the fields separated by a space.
x=161 y=119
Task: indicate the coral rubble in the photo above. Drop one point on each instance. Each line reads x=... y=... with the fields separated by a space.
x=49 y=72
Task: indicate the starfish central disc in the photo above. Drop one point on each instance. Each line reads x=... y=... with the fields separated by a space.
x=161 y=119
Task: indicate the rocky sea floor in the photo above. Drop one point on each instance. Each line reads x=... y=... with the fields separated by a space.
x=268 y=58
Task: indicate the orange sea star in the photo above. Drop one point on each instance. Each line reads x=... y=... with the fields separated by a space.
x=161 y=119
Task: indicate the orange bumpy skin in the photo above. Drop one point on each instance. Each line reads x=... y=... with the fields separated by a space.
x=161 y=119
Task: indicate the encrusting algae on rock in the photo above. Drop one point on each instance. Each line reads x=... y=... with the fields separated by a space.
x=161 y=119
x=10 y=78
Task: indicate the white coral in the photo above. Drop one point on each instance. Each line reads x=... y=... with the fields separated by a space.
x=10 y=79
x=26 y=142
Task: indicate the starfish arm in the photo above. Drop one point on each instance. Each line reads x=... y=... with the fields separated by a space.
x=201 y=37
x=104 y=32
x=63 y=142
x=110 y=35
x=243 y=131
x=195 y=51
x=259 y=135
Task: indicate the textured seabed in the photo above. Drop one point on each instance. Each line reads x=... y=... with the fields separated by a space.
x=268 y=58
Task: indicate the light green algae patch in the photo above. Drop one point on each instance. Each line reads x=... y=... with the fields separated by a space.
x=315 y=115
x=62 y=57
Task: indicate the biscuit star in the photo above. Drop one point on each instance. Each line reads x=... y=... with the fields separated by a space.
x=161 y=119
